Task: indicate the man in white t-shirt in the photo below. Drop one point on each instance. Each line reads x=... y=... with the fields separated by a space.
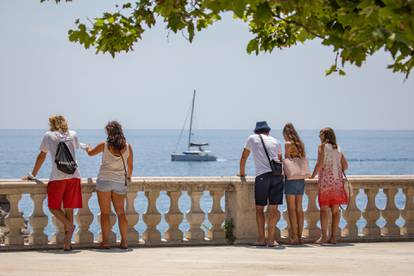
x=62 y=188
x=268 y=187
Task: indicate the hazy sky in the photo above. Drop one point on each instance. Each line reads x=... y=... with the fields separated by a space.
x=42 y=73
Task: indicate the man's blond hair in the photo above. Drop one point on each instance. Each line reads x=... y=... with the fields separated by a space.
x=58 y=123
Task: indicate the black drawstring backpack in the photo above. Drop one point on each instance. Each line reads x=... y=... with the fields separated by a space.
x=64 y=159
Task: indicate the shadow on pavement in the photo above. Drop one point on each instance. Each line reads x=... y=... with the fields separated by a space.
x=279 y=247
x=60 y=251
x=341 y=244
x=110 y=250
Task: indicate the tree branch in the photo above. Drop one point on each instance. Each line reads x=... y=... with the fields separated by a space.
x=300 y=25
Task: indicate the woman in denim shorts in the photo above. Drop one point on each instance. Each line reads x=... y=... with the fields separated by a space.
x=111 y=185
x=294 y=189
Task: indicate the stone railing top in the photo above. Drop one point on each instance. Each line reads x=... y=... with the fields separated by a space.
x=201 y=183
x=215 y=179
x=12 y=186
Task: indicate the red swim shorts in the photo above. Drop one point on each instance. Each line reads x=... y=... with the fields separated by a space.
x=67 y=191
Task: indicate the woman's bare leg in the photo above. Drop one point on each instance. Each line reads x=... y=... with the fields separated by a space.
x=335 y=223
x=299 y=216
x=324 y=224
x=119 y=204
x=104 y=200
x=292 y=219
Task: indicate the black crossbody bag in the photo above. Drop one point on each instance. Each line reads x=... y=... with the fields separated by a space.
x=125 y=169
x=277 y=169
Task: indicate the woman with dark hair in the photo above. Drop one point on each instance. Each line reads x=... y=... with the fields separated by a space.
x=111 y=185
x=330 y=168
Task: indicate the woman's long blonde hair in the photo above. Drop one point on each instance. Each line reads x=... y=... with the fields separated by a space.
x=58 y=123
x=327 y=136
x=291 y=135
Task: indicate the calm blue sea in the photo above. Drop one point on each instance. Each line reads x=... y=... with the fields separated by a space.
x=368 y=152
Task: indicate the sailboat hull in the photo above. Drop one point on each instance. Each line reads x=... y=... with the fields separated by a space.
x=192 y=157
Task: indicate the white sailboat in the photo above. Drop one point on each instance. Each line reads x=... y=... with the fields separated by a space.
x=195 y=151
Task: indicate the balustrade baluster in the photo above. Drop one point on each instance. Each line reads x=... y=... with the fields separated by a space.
x=38 y=221
x=408 y=212
x=152 y=218
x=195 y=218
x=132 y=217
x=216 y=217
x=312 y=232
x=279 y=215
x=286 y=232
x=371 y=213
x=84 y=219
x=174 y=217
x=390 y=213
x=352 y=214
x=14 y=221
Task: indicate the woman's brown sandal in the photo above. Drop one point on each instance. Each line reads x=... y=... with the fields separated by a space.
x=103 y=246
x=123 y=245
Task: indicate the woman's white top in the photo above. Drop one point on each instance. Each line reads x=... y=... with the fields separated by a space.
x=112 y=168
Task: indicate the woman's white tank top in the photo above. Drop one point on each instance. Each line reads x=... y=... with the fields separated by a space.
x=112 y=168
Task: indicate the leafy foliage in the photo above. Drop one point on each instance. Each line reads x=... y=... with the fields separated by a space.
x=355 y=29
x=228 y=231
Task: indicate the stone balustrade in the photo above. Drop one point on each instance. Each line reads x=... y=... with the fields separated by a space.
x=382 y=208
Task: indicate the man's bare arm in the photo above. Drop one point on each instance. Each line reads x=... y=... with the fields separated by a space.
x=243 y=160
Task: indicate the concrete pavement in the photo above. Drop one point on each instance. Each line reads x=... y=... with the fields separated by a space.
x=394 y=258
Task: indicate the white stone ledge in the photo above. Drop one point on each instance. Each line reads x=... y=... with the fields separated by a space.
x=201 y=183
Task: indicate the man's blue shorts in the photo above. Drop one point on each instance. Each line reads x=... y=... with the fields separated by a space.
x=268 y=189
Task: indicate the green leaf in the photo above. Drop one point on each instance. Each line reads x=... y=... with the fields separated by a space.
x=127 y=6
x=263 y=13
x=252 y=46
x=238 y=7
x=332 y=69
x=190 y=30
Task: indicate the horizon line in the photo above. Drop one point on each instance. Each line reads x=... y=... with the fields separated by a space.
x=227 y=129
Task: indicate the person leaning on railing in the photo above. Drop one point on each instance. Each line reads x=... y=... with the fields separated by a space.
x=111 y=185
x=268 y=187
x=63 y=188
x=330 y=168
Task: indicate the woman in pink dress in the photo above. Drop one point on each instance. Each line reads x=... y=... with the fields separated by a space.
x=330 y=168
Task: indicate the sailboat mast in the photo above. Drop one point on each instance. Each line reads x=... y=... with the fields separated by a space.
x=191 y=120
